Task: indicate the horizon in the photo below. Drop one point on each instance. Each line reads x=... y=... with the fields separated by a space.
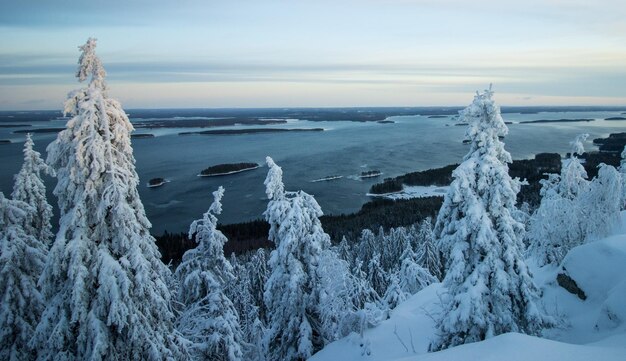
x=348 y=53
x=507 y=107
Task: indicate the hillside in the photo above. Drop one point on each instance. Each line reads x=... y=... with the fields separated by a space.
x=590 y=329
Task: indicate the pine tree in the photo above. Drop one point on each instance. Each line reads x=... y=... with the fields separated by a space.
x=22 y=257
x=490 y=289
x=104 y=284
x=292 y=290
x=209 y=318
x=29 y=188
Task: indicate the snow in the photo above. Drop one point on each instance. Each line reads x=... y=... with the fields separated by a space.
x=586 y=333
x=409 y=192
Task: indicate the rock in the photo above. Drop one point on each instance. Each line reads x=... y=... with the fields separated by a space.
x=570 y=285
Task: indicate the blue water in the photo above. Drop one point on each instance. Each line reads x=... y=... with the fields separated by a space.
x=345 y=148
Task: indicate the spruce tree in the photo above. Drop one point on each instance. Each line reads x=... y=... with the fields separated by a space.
x=209 y=318
x=430 y=257
x=559 y=223
x=29 y=188
x=22 y=257
x=490 y=289
x=292 y=291
x=104 y=284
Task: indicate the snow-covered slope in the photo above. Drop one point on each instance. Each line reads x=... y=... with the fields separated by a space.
x=593 y=329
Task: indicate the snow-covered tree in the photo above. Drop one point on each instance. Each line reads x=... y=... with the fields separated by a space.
x=558 y=224
x=334 y=299
x=258 y=274
x=430 y=258
x=412 y=276
x=292 y=291
x=573 y=175
x=104 y=284
x=394 y=294
x=344 y=251
x=29 y=188
x=377 y=276
x=362 y=292
x=209 y=318
x=600 y=207
x=367 y=246
x=622 y=172
x=490 y=289
x=22 y=257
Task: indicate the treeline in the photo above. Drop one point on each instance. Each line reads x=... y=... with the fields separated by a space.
x=247 y=236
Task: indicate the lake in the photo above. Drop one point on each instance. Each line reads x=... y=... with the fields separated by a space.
x=345 y=148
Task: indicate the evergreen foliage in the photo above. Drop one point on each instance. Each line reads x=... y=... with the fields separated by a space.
x=209 y=318
x=29 y=188
x=490 y=289
x=22 y=257
x=105 y=288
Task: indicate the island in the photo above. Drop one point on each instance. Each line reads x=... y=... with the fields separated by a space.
x=437 y=116
x=5 y=141
x=38 y=130
x=156 y=182
x=226 y=169
x=386 y=121
x=328 y=178
x=555 y=121
x=15 y=125
x=615 y=143
x=251 y=131
x=370 y=174
x=139 y=136
x=615 y=118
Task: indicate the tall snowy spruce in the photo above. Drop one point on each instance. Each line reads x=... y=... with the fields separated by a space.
x=293 y=290
x=29 y=188
x=22 y=257
x=104 y=284
x=490 y=289
x=209 y=318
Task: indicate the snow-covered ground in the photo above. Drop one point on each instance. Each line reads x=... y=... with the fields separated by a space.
x=409 y=192
x=593 y=329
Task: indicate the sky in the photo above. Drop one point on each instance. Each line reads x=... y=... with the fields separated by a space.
x=303 y=53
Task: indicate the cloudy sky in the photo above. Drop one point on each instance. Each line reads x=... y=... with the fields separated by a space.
x=270 y=53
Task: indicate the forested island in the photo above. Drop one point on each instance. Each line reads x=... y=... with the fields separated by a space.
x=328 y=178
x=228 y=168
x=251 y=131
x=156 y=182
x=370 y=174
x=555 y=121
